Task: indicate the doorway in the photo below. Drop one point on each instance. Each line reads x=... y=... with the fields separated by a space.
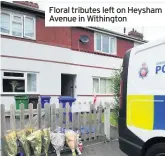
x=68 y=85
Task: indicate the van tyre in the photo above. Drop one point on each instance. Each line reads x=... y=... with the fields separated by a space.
x=156 y=150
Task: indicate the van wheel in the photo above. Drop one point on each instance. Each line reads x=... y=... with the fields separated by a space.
x=156 y=150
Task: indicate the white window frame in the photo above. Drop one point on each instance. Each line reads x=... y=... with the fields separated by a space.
x=5 y=12
x=99 y=78
x=20 y=78
x=11 y=23
x=101 y=51
x=25 y=16
x=12 y=14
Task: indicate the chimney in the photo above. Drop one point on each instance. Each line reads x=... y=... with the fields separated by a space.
x=27 y=3
x=136 y=34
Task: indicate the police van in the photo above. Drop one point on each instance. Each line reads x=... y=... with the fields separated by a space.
x=142 y=100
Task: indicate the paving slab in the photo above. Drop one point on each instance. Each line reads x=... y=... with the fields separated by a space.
x=101 y=149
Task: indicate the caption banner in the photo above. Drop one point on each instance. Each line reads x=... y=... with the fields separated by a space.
x=86 y=14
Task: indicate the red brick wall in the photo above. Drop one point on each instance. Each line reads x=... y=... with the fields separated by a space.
x=76 y=45
x=123 y=45
x=68 y=37
x=57 y=36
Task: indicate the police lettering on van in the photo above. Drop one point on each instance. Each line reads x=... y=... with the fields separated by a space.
x=160 y=67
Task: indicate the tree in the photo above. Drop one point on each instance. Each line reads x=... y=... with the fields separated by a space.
x=115 y=89
x=14 y=85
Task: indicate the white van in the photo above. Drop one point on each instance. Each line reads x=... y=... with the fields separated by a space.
x=142 y=101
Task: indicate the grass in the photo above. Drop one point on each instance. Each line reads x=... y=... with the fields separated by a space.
x=112 y=119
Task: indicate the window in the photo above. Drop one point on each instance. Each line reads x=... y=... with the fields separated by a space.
x=96 y=85
x=31 y=82
x=106 y=44
x=98 y=41
x=17 y=25
x=18 y=82
x=5 y=23
x=29 y=27
x=101 y=86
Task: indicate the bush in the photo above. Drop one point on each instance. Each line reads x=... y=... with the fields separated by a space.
x=115 y=89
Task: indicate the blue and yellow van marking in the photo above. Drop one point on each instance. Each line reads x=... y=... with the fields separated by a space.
x=146 y=111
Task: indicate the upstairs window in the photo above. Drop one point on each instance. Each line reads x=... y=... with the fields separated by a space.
x=105 y=44
x=29 y=27
x=5 y=23
x=17 y=25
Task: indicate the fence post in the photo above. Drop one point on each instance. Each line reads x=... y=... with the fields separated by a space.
x=90 y=121
x=39 y=116
x=53 y=117
x=67 y=115
x=62 y=116
x=12 y=117
x=3 y=127
x=107 y=127
x=30 y=114
x=47 y=121
x=22 y=116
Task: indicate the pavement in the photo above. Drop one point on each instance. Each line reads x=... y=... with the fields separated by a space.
x=101 y=149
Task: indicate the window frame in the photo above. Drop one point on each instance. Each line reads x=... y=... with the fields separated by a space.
x=23 y=16
x=99 y=78
x=19 y=78
x=12 y=20
x=5 y=12
x=101 y=51
x=27 y=16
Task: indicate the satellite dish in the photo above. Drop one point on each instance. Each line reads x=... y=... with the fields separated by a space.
x=84 y=39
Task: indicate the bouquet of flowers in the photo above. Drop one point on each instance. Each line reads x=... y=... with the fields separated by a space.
x=22 y=137
x=46 y=140
x=71 y=139
x=79 y=144
x=35 y=140
x=58 y=141
x=10 y=143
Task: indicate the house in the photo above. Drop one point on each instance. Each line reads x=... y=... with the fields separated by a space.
x=54 y=61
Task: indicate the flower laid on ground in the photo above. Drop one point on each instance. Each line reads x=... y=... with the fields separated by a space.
x=71 y=139
x=58 y=141
x=35 y=140
x=46 y=140
x=10 y=143
x=22 y=137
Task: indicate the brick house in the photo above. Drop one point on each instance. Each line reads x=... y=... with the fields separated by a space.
x=54 y=61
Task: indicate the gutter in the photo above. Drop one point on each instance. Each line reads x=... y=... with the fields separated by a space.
x=22 y=8
x=41 y=13
x=108 y=32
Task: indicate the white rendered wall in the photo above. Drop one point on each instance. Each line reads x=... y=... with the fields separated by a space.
x=50 y=72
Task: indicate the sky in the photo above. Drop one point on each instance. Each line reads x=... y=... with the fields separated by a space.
x=150 y=33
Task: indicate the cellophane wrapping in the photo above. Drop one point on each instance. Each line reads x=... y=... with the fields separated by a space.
x=46 y=140
x=10 y=143
x=35 y=140
x=22 y=137
x=71 y=140
x=58 y=141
